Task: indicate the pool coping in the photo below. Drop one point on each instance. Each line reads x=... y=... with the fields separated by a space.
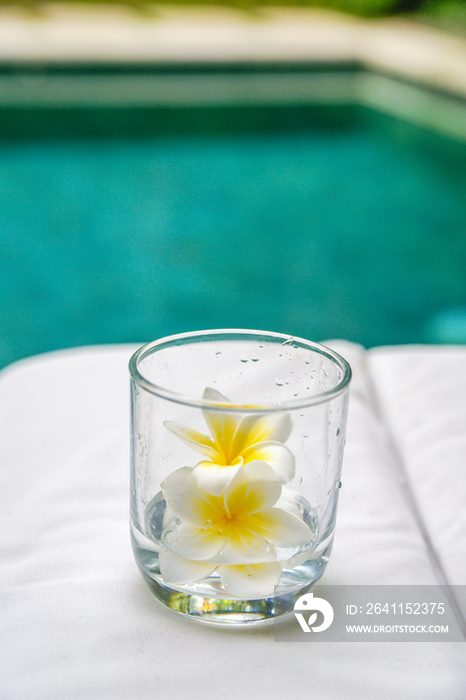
x=71 y=34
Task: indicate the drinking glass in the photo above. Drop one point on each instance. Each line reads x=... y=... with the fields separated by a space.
x=237 y=441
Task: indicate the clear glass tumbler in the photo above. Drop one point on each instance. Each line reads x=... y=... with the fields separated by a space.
x=236 y=453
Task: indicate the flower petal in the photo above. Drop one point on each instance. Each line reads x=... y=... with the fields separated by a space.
x=258 y=428
x=256 y=581
x=246 y=547
x=201 y=545
x=280 y=527
x=185 y=530
x=197 y=441
x=176 y=569
x=188 y=502
x=297 y=560
x=290 y=501
x=223 y=427
x=280 y=458
x=253 y=488
x=212 y=478
x=214 y=395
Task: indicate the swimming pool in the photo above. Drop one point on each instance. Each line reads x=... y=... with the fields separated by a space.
x=129 y=212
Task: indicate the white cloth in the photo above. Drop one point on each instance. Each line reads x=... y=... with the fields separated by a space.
x=77 y=621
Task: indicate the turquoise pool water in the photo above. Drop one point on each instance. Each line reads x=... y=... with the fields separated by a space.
x=124 y=225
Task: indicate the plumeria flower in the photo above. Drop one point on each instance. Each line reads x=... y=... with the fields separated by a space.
x=235 y=533
x=236 y=441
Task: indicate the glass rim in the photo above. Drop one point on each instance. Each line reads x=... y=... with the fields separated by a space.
x=280 y=406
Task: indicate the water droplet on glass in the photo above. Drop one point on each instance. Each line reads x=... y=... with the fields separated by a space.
x=295 y=394
x=339 y=484
x=248 y=575
x=209 y=522
x=254 y=358
x=338 y=431
x=218 y=353
x=307 y=361
x=279 y=382
x=287 y=381
x=306 y=435
x=244 y=358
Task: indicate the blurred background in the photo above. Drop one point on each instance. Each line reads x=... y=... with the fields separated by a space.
x=320 y=198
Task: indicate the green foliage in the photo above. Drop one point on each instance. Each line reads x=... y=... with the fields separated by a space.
x=449 y=13
x=366 y=8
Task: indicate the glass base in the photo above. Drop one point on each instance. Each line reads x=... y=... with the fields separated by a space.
x=206 y=601
x=224 y=611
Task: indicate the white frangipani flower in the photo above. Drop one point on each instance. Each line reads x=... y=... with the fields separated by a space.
x=235 y=533
x=235 y=442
